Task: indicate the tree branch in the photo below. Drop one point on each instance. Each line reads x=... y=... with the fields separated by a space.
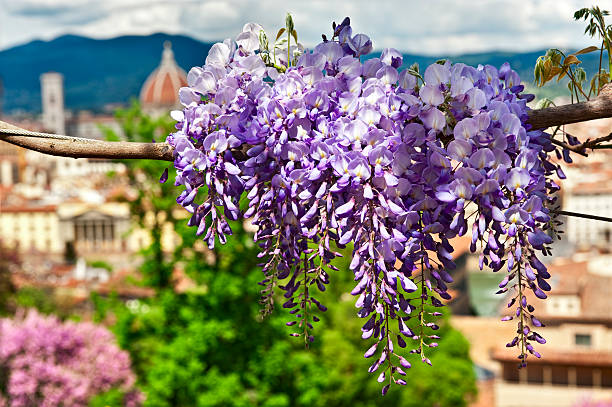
x=599 y=108
x=589 y=144
x=581 y=215
x=75 y=147
x=86 y=148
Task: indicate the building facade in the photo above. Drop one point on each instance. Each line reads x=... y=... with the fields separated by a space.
x=31 y=229
x=576 y=361
x=588 y=189
x=11 y=162
x=51 y=229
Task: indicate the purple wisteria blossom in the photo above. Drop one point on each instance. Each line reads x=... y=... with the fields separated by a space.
x=329 y=151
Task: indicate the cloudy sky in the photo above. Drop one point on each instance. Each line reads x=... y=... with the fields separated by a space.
x=423 y=27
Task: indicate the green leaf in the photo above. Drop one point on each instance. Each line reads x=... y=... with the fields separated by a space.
x=263 y=41
x=586 y=50
x=593 y=87
x=280 y=32
x=413 y=72
x=544 y=103
x=556 y=58
x=561 y=74
x=294 y=35
x=537 y=72
x=580 y=13
x=547 y=74
x=571 y=60
x=580 y=75
x=289 y=22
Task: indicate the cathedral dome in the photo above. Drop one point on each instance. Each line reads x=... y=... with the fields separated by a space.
x=162 y=86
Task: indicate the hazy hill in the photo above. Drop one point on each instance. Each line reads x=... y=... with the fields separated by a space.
x=98 y=72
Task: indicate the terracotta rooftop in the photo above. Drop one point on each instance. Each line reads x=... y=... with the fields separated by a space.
x=602 y=359
x=574 y=278
x=120 y=283
x=28 y=209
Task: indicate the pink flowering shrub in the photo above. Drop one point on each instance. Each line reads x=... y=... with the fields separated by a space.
x=589 y=402
x=46 y=362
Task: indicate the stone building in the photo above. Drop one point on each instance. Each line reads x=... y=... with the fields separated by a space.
x=588 y=189
x=85 y=124
x=11 y=161
x=33 y=228
x=91 y=230
x=95 y=229
x=576 y=361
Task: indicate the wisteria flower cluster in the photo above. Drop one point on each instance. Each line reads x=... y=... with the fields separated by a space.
x=331 y=150
x=45 y=362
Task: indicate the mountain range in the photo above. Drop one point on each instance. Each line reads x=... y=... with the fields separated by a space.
x=98 y=72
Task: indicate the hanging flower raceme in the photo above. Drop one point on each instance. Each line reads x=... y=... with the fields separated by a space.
x=331 y=151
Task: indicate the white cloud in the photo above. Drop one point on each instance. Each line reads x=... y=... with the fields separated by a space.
x=434 y=27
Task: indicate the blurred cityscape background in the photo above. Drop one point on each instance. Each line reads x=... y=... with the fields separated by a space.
x=98 y=240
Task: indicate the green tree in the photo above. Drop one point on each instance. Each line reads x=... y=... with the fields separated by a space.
x=8 y=258
x=154 y=202
x=40 y=298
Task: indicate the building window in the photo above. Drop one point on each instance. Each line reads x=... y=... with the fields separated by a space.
x=511 y=373
x=606 y=377
x=584 y=376
x=560 y=375
x=583 y=339
x=568 y=305
x=15 y=174
x=535 y=374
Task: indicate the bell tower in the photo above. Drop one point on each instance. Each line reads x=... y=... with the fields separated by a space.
x=52 y=90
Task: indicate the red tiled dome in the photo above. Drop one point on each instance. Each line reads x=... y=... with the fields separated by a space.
x=162 y=86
